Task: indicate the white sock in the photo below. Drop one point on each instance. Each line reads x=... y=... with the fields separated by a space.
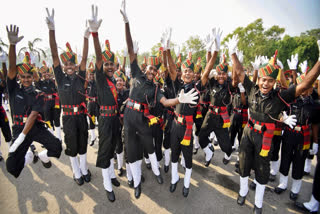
x=255 y=181
x=120 y=160
x=243 y=186
x=166 y=157
x=196 y=142
x=106 y=179
x=146 y=160
x=136 y=172
x=187 y=177
x=208 y=153
x=83 y=164
x=28 y=158
x=283 y=181
x=182 y=162
x=307 y=165
x=93 y=134
x=44 y=156
x=296 y=185
x=174 y=173
x=227 y=157
x=274 y=167
x=58 y=132
x=129 y=174
x=75 y=167
x=259 y=195
x=111 y=170
x=154 y=163
x=312 y=205
x=211 y=136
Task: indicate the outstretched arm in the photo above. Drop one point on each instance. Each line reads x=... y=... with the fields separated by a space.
x=85 y=50
x=52 y=38
x=13 y=39
x=208 y=68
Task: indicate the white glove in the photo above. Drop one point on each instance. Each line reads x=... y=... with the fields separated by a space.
x=125 y=52
x=178 y=52
x=79 y=58
x=217 y=39
x=87 y=31
x=169 y=37
x=3 y=57
x=123 y=11
x=319 y=49
x=241 y=88
x=94 y=24
x=212 y=73
x=314 y=149
x=294 y=62
x=128 y=71
x=229 y=74
x=232 y=44
x=50 y=19
x=13 y=35
x=17 y=142
x=279 y=63
x=163 y=40
x=240 y=55
x=189 y=97
x=135 y=47
x=304 y=66
x=264 y=60
x=289 y=120
x=209 y=42
x=256 y=63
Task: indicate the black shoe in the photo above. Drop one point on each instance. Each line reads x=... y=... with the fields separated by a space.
x=166 y=168
x=87 y=177
x=148 y=165
x=279 y=190
x=215 y=143
x=225 y=161
x=142 y=179
x=35 y=158
x=302 y=207
x=306 y=173
x=159 y=179
x=211 y=148
x=115 y=182
x=257 y=210
x=137 y=191
x=120 y=172
x=111 y=196
x=241 y=200
x=195 y=151
x=79 y=181
x=253 y=186
x=46 y=165
x=237 y=170
x=130 y=183
x=92 y=142
x=174 y=186
x=236 y=164
x=272 y=178
x=207 y=163
x=185 y=191
x=293 y=196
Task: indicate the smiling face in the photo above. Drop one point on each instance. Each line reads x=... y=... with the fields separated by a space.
x=179 y=73
x=266 y=84
x=26 y=79
x=120 y=83
x=46 y=75
x=187 y=75
x=109 y=68
x=69 y=67
x=151 y=72
x=91 y=76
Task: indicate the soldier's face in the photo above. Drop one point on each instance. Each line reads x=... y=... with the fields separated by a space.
x=197 y=76
x=109 y=68
x=46 y=75
x=187 y=75
x=151 y=72
x=179 y=73
x=26 y=79
x=266 y=84
x=91 y=76
x=120 y=83
x=69 y=68
x=221 y=77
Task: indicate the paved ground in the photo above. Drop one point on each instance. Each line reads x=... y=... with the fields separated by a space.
x=213 y=190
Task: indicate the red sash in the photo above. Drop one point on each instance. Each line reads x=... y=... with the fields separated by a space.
x=306 y=137
x=244 y=113
x=188 y=133
x=222 y=111
x=199 y=115
x=4 y=113
x=113 y=90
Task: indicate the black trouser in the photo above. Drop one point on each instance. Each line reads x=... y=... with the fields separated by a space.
x=214 y=123
x=316 y=183
x=51 y=113
x=119 y=144
x=276 y=142
x=177 y=134
x=75 y=128
x=93 y=110
x=4 y=125
x=249 y=157
x=292 y=152
x=38 y=133
x=109 y=135
x=167 y=130
x=235 y=127
x=137 y=135
x=157 y=134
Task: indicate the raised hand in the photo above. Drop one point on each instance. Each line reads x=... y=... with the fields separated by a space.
x=256 y=63
x=240 y=55
x=279 y=63
x=217 y=39
x=3 y=57
x=13 y=35
x=123 y=11
x=189 y=97
x=163 y=40
x=87 y=31
x=289 y=120
x=135 y=47
x=264 y=60
x=94 y=23
x=294 y=62
x=209 y=42
x=232 y=44
x=169 y=30
x=50 y=19
x=304 y=66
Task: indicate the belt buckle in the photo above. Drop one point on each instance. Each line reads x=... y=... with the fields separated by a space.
x=297 y=128
x=238 y=110
x=257 y=127
x=136 y=106
x=24 y=120
x=115 y=111
x=216 y=110
x=180 y=119
x=75 y=109
x=49 y=96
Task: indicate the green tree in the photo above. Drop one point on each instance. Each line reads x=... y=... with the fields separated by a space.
x=33 y=49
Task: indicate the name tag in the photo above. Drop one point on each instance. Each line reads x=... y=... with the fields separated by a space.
x=136 y=106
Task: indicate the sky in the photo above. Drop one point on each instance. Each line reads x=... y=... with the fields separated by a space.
x=149 y=18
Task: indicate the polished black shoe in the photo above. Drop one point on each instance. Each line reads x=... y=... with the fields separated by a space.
x=148 y=165
x=130 y=183
x=166 y=168
x=225 y=161
x=120 y=172
x=115 y=182
x=159 y=179
x=207 y=163
x=253 y=186
x=302 y=207
x=46 y=165
x=137 y=191
x=92 y=142
x=236 y=164
x=272 y=178
x=241 y=200
x=87 y=177
x=111 y=196
x=279 y=190
x=306 y=173
x=185 y=191
x=195 y=151
x=79 y=181
x=174 y=186
x=293 y=196
x=257 y=210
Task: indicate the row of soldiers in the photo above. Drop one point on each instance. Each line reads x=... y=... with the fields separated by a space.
x=154 y=109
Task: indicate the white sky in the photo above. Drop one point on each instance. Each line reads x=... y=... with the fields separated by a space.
x=148 y=19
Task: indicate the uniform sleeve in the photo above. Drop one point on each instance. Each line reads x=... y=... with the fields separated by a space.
x=58 y=73
x=247 y=84
x=289 y=95
x=38 y=104
x=12 y=85
x=100 y=77
x=159 y=95
x=83 y=74
x=135 y=70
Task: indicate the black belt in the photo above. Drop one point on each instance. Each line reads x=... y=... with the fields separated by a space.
x=257 y=126
x=108 y=111
x=135 y=106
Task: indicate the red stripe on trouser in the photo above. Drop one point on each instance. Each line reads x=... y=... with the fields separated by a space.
x=306 y=137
